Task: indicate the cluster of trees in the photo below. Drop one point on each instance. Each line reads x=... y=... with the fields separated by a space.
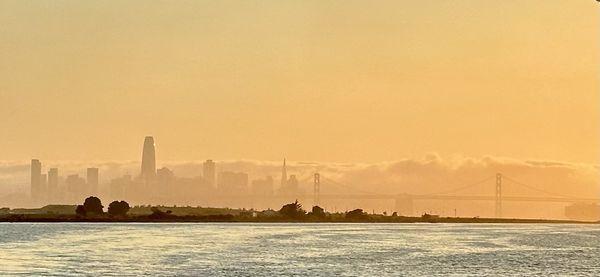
x=92 y=206
x=357 y=214
x=295 y=211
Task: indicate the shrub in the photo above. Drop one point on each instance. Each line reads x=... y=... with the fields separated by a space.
x=93 y=205
x=80 y=210
x=118 y=208
x=356 y=214
x=292 y=210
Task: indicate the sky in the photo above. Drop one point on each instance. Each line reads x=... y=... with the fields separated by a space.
x=332 y=81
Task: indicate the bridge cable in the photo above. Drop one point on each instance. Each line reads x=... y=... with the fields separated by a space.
x=536 y=189
x=461 y=188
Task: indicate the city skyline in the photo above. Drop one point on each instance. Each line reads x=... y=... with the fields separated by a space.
x=210 y=183
x=158 y=181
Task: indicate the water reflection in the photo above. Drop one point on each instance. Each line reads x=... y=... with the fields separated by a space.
x=302 y=249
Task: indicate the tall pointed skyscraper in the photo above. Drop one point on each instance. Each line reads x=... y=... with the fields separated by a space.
x=284 y=175
x=148 y=160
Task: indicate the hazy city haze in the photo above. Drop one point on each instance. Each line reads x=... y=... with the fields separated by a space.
x=410 y=186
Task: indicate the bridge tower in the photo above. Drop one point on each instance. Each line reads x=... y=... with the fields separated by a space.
x=317 y=189
x=498 y=195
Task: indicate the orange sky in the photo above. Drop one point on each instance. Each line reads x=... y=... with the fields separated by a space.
x=311 y=80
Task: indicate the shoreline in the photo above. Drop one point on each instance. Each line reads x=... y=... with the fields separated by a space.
x=224 y=219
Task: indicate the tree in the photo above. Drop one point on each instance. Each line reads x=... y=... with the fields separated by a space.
x=93 y=205
x=80 y=210
x=118 y=208
x=317 y=211
x=356 y=214
x=292 y=210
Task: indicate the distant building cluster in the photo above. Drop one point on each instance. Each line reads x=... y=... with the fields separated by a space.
x=53 y=188
x=161 y=185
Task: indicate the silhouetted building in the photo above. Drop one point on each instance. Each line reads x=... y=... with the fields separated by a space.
x=148 y=160
x=165 y=177
x=263 y=187
x=118 y=187
x=233 y=182
x=293 y=182
x=36 y=176
x=92 y=180
x=283 y=174
x=291 y=187
x=43 y=187
x=208 y=172
x=76 y=187
x=52 y=187
x=165 y=181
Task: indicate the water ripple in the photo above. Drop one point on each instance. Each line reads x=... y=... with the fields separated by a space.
x=207 y=249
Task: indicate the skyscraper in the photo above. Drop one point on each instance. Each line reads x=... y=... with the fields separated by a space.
x=36 y=179
x=43 y=187
x=53 y=184
x=263 y=187
x=284 y=174
x=292 y=184
x=164 y=177
x=208 y=172
x=233 y=182
x=92 y=179
x=148 y=160
x=75 y=188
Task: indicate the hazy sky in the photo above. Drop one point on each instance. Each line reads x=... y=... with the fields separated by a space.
x=311 y=80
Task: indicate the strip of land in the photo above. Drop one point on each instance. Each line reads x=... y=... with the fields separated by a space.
x=336 y=218
x=119 y=211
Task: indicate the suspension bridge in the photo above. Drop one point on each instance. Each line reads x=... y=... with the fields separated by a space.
x=404 y=202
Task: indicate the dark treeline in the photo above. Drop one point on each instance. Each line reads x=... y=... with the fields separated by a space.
x=92 y=210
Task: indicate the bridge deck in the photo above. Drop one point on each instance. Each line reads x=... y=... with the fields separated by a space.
x=418 y=197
